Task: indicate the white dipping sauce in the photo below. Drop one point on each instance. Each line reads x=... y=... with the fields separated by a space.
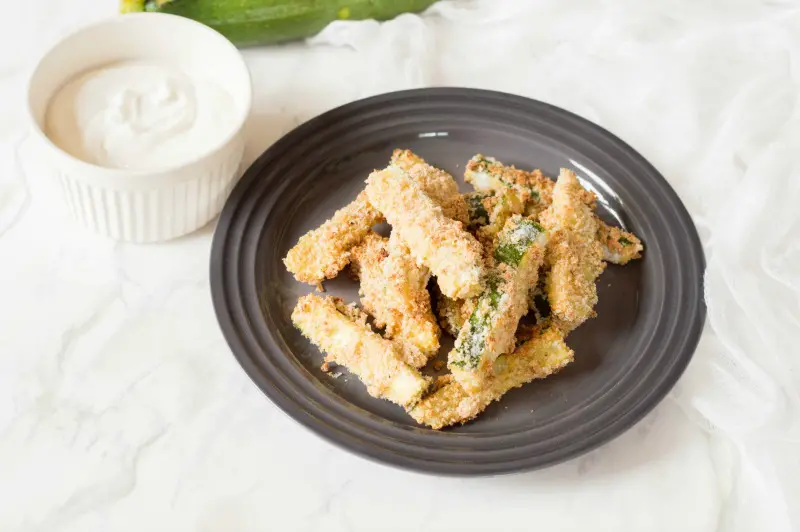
x=140 y=115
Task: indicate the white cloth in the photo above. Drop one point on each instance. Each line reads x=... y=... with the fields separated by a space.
x=122 y=409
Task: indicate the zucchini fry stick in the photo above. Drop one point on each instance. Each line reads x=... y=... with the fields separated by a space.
x=537 y=358
x=436 y=241
x=533 y=191
x=343 y=334
x=393 y=290
x=619 y=247
x=574 y=254
x=489 y=332
x=436 y=183
x=322 y=253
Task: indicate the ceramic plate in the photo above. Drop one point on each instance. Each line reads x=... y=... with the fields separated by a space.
x=650 y=313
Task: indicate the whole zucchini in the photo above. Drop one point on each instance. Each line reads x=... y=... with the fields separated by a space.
x=252 y=22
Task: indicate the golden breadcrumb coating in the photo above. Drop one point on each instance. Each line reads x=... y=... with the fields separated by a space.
x=574 y=255
x=440 y=243
x=438 y=184
x=393 y=290
x=537 y=358
x=619 y=246
x=518 y=253
x=322 y=253
x=342 y=333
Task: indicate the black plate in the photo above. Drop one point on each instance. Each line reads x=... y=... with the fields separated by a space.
x=650 y=314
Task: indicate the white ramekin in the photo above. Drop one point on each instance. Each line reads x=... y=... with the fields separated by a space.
x=145 y=206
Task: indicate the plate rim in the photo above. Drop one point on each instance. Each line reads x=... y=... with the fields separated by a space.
x=315 y=419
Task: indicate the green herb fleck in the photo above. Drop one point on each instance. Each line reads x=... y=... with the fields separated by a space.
x=624 y=241
x=478 y=215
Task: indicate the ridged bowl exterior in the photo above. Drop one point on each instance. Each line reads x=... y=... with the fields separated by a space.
x=189 y=198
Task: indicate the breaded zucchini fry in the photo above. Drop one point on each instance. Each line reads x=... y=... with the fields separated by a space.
x=393 y=290
x=322 y=253
x=537 y=358
x=436 y=183
x=348 y=341
x=532 y=189
x=489 y=332
x=440 y=243
x=574 y=254
x=619 y=247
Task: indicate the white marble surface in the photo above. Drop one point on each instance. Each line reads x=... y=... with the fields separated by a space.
x=121 y=408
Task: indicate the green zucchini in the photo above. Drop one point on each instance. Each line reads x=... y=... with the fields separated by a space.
x=254 y=22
